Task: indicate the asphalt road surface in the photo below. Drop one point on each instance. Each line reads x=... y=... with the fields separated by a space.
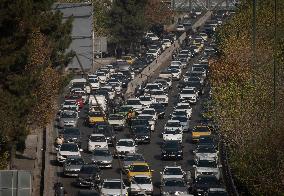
x=151 y=151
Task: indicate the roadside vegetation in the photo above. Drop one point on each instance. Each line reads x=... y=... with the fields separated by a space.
x=33 y=42
x=248 y=96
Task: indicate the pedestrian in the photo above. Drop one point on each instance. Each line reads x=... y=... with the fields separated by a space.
x=59 y=140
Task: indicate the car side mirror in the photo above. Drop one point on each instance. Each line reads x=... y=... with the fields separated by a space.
x=194 y=151
x=81 y=150
x=194 y=166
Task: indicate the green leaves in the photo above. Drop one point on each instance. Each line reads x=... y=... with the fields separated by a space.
x=247 y=96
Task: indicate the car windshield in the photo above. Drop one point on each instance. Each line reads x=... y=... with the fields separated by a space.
x=152 y=51
x=173 y=124
x=116 y=117
x=124 y=109
x=89 y=169
x=96 y=138
x=202 y=129
x=140 y=129
x=113 y=185
x=145 y=98
x=180 y=118
x=151 y=112
x=133 y=102
x=139 y=168
x=74 y=161
x=157 y=92
x=179 y=113
x=136 y=157
x=101 y=153
x=171 y=144
x=145 y=117
x=140 y=121
x=173 y=171
x=206 y=149
x=187 y=92
x=142 y=180
x=207 y=180
x=68 y=114
x=71 y=131
x=125 y=143
x=69 y=147
x=178 y=183
x=206 y=163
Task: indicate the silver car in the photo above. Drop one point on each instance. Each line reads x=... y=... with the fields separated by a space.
x=68 y=118
x=129 y=159
x=73 y=165
x=102 y=157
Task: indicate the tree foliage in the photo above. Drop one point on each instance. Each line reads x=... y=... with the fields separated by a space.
x=33 y=42
x=157 y=12
x=248 y=96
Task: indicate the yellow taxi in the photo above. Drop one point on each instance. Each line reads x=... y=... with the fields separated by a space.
x=139 y=169
x=200 y=130
x=129 y=59
x=95 y=117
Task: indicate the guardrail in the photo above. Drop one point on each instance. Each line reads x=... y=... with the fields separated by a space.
x=154 y=66
x=226 y=170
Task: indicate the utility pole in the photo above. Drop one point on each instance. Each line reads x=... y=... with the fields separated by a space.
x=254 y=38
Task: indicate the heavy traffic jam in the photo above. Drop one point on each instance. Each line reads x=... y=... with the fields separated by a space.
x=158 y=141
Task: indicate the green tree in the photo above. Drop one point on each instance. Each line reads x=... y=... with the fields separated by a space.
x=127 y=23
x=33 y=41
x=244 y=85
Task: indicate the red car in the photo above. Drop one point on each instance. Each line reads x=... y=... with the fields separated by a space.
x=78 y=99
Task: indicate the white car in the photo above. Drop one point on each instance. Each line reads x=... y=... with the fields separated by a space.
x=117 y=121
x=153 y=86
x=183 y=121
x=176 y=73
x=101 y=76
x=150 y=111
x=176 y=63
x=146 y=100
x=141 y=184
x=112 y=187
x=95 y=83
x=166 y=43
x=149 y=118
x=172 y=135
x=153 y=52
x=184 y=107
x=125 y=146
x=173 y=125
x=188 y=95
x=70 y=104
x=172 y=172
x=160 y=96
x=111 y=91
x=67 y=149
x=205 y=153
x=134 y=103
x=152 y=36
x=180 y=27
x=199 y=70
x=97 y=141
x=207 y=167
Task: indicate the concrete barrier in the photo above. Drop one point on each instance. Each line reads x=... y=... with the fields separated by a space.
x=154 y=66
x=165 y=56
x=201 y=21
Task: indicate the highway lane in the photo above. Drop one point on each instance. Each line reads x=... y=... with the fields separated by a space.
x=151 y=151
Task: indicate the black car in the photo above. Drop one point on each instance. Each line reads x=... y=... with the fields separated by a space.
x=203 y=183
x=141 y=134
x=108 y=132
x=159 y=108
x=172 y=149
x=89 y=176
x=197 y=85
x=207 y=141
x=140 y=121
x=71 y=134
